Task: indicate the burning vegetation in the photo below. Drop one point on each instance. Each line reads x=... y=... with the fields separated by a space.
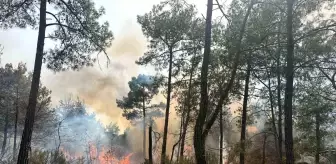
x=228 y=89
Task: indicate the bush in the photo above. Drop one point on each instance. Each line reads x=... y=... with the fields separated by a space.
x=43 y=157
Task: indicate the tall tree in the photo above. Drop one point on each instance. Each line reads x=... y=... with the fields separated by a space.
x=77 y=30
x=20 y=84
x=7 y=79
x=138 y=101
x=150 y=147
x=244 y=113
x=166 y=27
x=15 y=89
x=288 y=108
x=221 y=139
x=202 y=126
x=315 y=116
x=279 y=90
x=199 y=140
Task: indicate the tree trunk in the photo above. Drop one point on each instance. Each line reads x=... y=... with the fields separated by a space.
x=150 y=153
x=30 y=115
x=180 y=135
x=5 y=132
x=201 y=133
x=279 y=102
x=184 y=132
x=187 y=118
x=244 y=115
x=264 y=150
x=221 y=130
x=226 y=91
x=16 y=121
x=59 y=141
x=144 y=124
x=165 y=132
x=289 y=86
x=275 y=133
x=318 y=137
x=199 y=140
x=173 y=150
x=178 y=142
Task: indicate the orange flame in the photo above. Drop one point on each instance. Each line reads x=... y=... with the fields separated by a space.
x=99 y=156
x=126 y=160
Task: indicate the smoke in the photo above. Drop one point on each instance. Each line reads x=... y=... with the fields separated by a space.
x=76 y=133
x=100 y=86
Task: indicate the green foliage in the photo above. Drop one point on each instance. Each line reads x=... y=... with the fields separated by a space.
x=168 y=28
x=173 y=28
x=76 y=29
x=310 y=104
x=14 y=86
x=142 y=90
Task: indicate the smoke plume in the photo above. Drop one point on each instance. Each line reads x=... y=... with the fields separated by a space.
x=101 y=85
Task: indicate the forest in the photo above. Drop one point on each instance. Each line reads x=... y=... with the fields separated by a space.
x=243 y=82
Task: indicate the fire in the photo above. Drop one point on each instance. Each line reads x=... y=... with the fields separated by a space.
x=188 y=150
x=99 y=156
x=108 y=158
x=126 y=160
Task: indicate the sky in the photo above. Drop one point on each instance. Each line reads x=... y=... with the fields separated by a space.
x=20 y=44
x=98 y=88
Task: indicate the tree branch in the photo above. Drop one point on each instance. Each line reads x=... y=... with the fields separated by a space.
x=222 y=11
x=18 y=6
x=63 y=25
x=58 y=21
x=84 y=27
x=331 y=79
x=317 y=30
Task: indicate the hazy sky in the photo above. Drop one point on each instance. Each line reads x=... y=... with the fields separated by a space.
x=20 y=44
x=98 y=88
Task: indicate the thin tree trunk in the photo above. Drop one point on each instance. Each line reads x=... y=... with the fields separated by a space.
x=318 y=137
x=5 y=132
x=177 y=143
x=221 y=140
x=150 y=153
x=289 y=85
x=199 y=140
x=30 y=115
x=180 y=135
x=144 y=124
x=16 y=121
x=279 y=102
x=244 y=114
x=187 y=118
x=173 y=150
x=264 y=150
x=59 y=141
x=184 y=132
x=165 y=132
x=275 y=133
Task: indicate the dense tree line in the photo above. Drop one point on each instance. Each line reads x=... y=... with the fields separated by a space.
x=262 y=64
x=265 y=51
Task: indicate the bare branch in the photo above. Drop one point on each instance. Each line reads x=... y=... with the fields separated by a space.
x=220 y=7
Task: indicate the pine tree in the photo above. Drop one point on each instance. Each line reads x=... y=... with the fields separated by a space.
x=76 y=29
